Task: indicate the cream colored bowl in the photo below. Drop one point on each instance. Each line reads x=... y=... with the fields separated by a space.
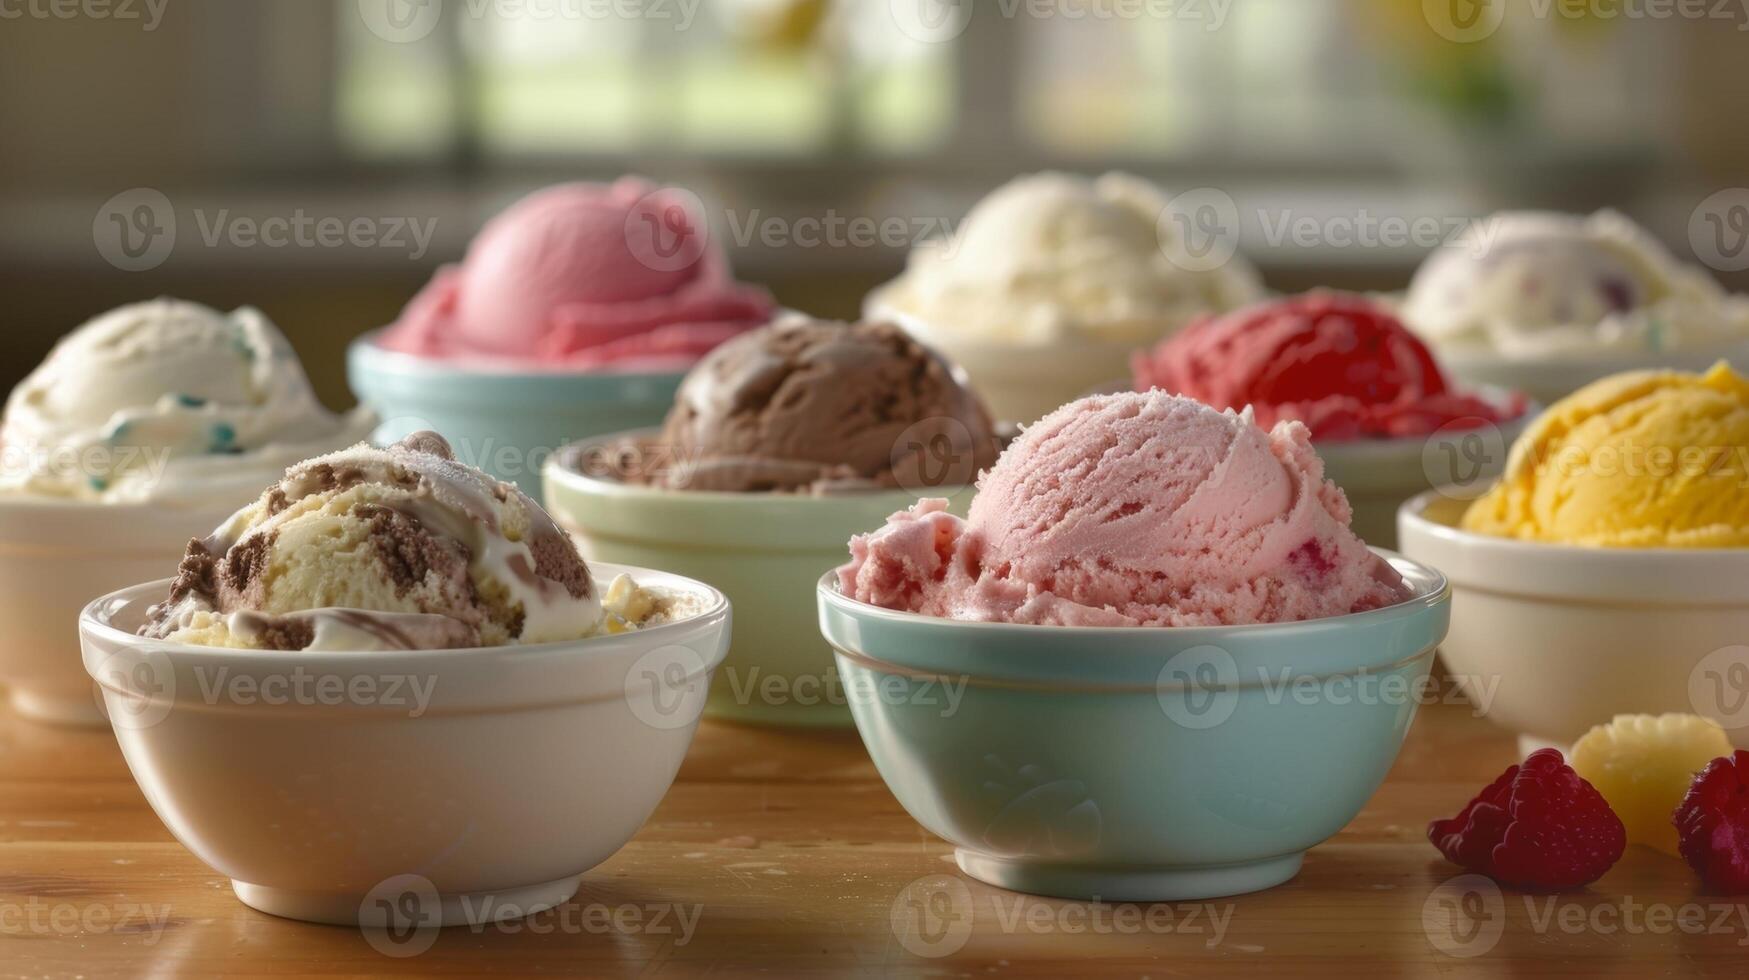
x=765 y=551
x=405 y=788
x=58 y=555
x=1549 y=640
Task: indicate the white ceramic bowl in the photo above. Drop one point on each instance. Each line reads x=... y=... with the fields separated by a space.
x=1380 y=475
x=1020 y=383
x=56 y=556
x=1548 y=380
x=1550 y=640
x=324 y=783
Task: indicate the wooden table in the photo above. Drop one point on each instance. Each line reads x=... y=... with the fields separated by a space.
x=784 y=855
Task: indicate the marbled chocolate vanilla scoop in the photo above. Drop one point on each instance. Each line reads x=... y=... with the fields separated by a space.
x=396 y=548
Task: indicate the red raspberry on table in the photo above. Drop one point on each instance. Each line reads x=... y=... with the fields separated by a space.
x=1712 y=822
x=1538 y=827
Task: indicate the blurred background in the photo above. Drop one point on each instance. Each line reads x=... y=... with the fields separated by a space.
x=388 y=130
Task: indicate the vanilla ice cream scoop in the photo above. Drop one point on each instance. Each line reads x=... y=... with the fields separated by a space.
x=1052 y=258
x=165 y=400
x=396 y=548
x=1534 y=284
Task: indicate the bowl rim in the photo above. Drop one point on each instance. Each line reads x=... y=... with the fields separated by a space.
x=386 y=361
x=1413 y=514
x=575 y=481
x=1436 y=591
x=1367 y=447
x=93 y=621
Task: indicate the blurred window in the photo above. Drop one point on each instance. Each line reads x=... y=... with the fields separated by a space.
x=1270 y=83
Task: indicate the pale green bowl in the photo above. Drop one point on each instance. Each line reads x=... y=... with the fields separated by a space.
x=1138 y=764
x=504 y=421
x=765 y=551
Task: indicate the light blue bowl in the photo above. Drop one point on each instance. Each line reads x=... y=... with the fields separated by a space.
x=506 y=422
x=1142 y=764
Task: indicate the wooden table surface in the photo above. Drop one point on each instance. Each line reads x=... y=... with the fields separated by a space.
x=784 y=855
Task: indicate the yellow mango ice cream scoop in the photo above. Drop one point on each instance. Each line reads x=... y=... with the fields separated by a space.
x=1646 y=459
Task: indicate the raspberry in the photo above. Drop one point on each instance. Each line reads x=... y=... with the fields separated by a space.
x=1538 y=827
x=1642 y=764
x=1713 y=823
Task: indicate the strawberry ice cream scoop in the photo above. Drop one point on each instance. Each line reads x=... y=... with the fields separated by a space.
x=1340 y=363
x=1143 y=509
x=585 y=276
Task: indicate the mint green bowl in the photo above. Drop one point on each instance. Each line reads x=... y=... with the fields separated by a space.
x=502 y=420
x=1135 y=764
x=765 y=551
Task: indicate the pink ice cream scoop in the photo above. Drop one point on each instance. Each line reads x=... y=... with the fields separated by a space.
x=1340 y=363
x=620 y=276
x=1144 y=509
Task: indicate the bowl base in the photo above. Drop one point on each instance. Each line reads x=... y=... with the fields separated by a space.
x=1107 y=884
x=58 y=709
x=469 y=908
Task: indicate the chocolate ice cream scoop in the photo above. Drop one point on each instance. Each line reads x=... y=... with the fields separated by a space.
x=396 y=548
x=806 y=405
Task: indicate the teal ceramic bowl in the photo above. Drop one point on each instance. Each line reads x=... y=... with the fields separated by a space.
x=505 y=421
x=763 y=550
x=1136 y=764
